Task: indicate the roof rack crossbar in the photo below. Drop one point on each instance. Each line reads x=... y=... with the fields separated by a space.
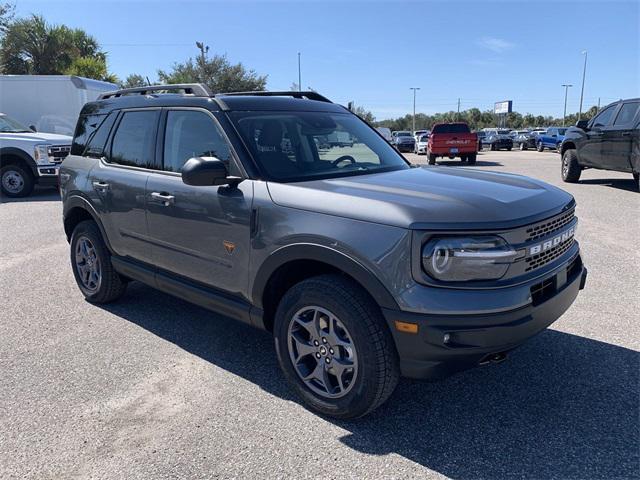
x=309 y=95
x=195 y=89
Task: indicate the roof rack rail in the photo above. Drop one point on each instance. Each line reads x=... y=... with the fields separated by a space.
x=194 y=89
x=309 y=95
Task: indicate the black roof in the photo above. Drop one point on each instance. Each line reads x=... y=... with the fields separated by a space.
x=197 y=95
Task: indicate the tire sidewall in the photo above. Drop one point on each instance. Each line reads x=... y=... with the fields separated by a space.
x=27 y=179
x=355 y=402
x=90 y=230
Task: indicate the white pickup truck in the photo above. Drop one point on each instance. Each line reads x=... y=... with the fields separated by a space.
x=28 y=158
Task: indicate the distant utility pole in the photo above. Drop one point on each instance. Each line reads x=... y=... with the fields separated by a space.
x=204 y=49
x=414 y=106
x=598 y=103
x=584 y=72
x=458 y=116
x=299 y=74
x=566 y=89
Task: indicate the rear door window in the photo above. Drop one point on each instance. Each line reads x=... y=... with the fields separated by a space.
x=627 y=114
x=133 y=143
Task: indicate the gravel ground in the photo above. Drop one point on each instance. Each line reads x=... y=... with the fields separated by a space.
x=153 y=387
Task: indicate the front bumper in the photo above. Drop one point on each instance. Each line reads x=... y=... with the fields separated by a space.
x=405 y=147
x=474 y=339
x=48 y=174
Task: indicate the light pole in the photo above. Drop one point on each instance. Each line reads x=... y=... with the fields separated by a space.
x=566 y=89
x=584 y=72
x=414 y=107
x=299 y=74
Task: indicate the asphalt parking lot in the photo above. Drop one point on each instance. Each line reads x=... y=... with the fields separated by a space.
x=153 y=387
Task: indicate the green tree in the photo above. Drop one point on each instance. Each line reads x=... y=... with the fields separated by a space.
x=134 y=80
x=217 y=72
x=7 y=11
x=365 y=114
x=31 y=46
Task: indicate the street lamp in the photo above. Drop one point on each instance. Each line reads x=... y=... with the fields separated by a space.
x=566 y=89
x=414 y=107
x=584 y=72
x=299 y=74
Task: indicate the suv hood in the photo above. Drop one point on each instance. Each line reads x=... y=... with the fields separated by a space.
x=38 y=137
x=428 y=198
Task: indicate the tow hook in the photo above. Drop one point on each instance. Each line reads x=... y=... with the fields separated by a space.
x=494 y=358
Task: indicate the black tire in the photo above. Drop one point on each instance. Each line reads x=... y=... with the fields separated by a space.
x=432 y=159
x=493 y=147
x=523 y=146
x=111 y=285
x=378 y=366
x=636 y=178
x=463 y=158
x=16 y=181
x=540 y=147
x=509 y=149
x=570 y=169
x=471 y=159
x=558 y=147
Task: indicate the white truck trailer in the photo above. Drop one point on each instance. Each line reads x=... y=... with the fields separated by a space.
x=50 y=103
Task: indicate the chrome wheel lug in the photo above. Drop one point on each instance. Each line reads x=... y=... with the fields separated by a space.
x=317 y=355
x=324 y=340
x=331 y=351
x=316 y=343
x=327 y=360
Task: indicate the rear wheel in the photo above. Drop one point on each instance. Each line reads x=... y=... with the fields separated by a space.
x=16 y=181
x=91 y=262
x=472 y=159
x=571 y=170
x=636 y=178
x=493 y=147
x=432 y=159
x=523 y=146
x=540 y=147
x=334 y=347
x=509 y=149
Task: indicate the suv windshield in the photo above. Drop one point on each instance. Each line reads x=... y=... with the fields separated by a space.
x=9 y=125
x=451 y=128
x=299 y=146
x=404 y=134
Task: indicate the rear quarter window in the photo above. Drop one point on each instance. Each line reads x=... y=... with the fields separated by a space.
x=451 y=128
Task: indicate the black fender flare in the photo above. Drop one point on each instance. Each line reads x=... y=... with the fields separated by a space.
x=24 y=156
x=78 y=201
x=320 y=253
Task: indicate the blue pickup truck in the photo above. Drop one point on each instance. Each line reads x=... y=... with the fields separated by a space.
x=551 y=140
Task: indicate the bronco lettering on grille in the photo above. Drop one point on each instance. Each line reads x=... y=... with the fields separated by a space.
x=558 y=239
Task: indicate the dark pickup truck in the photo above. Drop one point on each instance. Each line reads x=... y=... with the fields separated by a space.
x=609 y=141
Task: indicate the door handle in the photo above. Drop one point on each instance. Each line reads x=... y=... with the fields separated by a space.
x=163 y=198
x=101 y=186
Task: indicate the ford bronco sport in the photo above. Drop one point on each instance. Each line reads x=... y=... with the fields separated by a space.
x=362 y=267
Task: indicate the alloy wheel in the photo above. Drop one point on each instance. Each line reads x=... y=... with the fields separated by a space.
x=88 y=264
x=322 y=352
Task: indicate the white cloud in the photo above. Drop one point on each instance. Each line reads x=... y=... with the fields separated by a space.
x=497 y=45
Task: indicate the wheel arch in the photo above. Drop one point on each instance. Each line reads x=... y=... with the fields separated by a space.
x=567 y=145
x=78 y=209
x=292 y=264
x=9 y=155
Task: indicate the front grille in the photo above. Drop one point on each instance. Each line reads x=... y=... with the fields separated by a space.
x=543 y=291
x=540 y=259
x=545 y=228
x=59 y=152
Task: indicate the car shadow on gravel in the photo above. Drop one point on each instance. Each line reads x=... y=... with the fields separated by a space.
x=628 y=184
x=38 y=195
x=561 y=406
x=458 y=163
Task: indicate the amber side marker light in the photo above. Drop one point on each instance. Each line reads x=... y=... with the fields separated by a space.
x=406 y=327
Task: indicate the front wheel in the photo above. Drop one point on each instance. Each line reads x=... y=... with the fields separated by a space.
x=523 y=147
x=540 y=147
x=571 y=170
x=16 y=181
x=91 y=263
x=471 y=159
x=636 y=178
x=334 y=347
x=509 y=149
x=432 y=159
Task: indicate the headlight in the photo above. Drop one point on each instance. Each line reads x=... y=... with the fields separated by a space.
x=41 y=154
x=459 y=259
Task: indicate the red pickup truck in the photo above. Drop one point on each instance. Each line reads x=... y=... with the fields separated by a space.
x=452 y=140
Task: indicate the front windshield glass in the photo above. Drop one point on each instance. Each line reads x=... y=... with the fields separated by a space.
x=9 y=125
x=562 y=131
x=299 y=146
x=404 y=134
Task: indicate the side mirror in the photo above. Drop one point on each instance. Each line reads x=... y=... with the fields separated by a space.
x=205 y=172
x=33 y=128
x=583 y=124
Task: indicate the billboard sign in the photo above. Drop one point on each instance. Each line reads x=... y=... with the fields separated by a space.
x=503 y=107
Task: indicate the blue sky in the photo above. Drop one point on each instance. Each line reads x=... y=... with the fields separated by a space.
x=372 y=52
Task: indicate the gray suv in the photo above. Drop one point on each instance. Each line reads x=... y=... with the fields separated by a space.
x=362 y=267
